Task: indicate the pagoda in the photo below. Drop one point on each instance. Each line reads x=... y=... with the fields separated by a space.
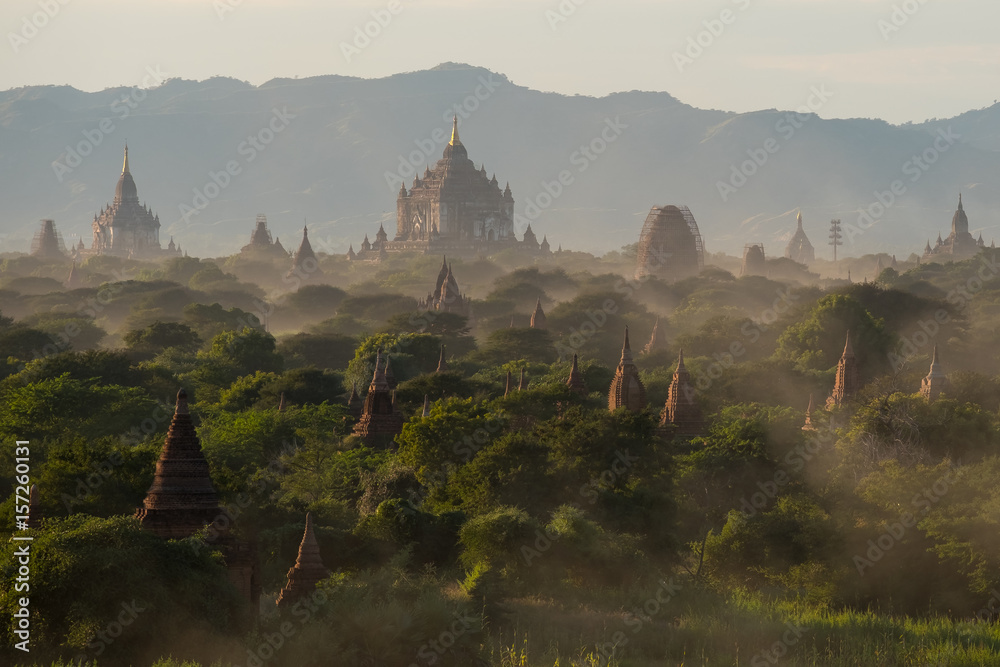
x=848 y=380
x=799 y=248
x=627 y=390
x=935 y=381
x=575 y=381
x=380 y=421
x=681 y=409
x=538 y=316
x=182 y=501
x=125 y=227
x=307 y=571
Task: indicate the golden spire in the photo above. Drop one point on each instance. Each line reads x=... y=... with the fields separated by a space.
x=125 y=166
x=455 y=141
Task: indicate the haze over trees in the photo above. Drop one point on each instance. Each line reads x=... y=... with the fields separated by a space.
x=526 y=528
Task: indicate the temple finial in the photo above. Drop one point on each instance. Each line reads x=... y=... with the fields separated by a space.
x=182 y=403
x=798 y=219
x=125 y=164
x=455 y=141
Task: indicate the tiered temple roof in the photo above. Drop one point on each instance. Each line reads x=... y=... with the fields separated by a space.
x=47 y=242
x=380 y=421
x=126 y=227
x=799 y=248
x=935 y=381
x=446 y=297
x=655 y=339
x=538 y=316
x=307 y=571
x=261 y=243
x=959 y=244
x=304 y=262
x=681 y=409
x=848 y=378
x=181 y=500
x=575 y=381
x=627 y=390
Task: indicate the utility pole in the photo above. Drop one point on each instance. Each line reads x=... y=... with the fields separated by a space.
x=835 y=238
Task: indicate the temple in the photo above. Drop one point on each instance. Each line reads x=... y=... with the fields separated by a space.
x=182 y=501
x=810 y=409
x=959 y=244
x=380 y=421
x=307 y=571
x=442 y=366
x=125 y=227
x=935 y=381
x=848 y=380
x=753 y=260
x=261 y=244
x=655 y=339
x=799 y=248
x=575 y=381
x=304 y=262
x=47 y=242
x=538 y=316
x=446 y=297
x=453 y=206
x=681 y=409
x=627 y=390
x=670 y=244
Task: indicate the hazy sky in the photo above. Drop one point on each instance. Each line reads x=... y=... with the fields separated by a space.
x=941 y=58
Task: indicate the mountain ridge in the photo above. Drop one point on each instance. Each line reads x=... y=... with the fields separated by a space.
x=333 y=164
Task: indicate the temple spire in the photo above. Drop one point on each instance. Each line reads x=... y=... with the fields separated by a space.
x=626 y=350
x=575 y=381
x=126 y=171
x=455 y=141
x=307 y=571
x=427 y=406
x=442 y=362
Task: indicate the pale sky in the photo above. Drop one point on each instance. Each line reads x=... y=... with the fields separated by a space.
x=939 y=60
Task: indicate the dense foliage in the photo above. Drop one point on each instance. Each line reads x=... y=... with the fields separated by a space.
x=533 y=528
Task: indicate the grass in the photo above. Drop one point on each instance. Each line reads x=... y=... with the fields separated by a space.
x=700 y=628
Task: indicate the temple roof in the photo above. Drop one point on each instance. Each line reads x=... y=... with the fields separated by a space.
x=126 y=190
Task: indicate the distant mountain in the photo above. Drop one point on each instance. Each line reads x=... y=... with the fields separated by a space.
x=326 y=148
